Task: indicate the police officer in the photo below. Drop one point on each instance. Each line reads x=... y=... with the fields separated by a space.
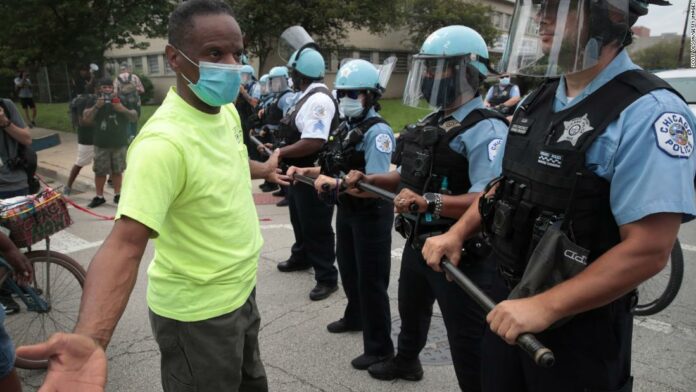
x=249 y=95
x=304 y=130
x=259 y=128
x=503 y=97
x=364 y=142
x=605 y=156
x=445 y=160
x=266 y=96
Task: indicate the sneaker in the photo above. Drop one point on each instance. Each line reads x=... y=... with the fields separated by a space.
x=67 y=190
x=279 y=193
x=283 y=203
x=397 y=367
x=96 y=202
x=342 y=326
x=9 y=304
x=364 y=361
x=117 y=198
x=268 y=187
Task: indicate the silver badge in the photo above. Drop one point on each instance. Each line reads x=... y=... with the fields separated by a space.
x=575 y=128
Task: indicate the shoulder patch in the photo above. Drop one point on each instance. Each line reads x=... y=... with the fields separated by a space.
x=383 y=143
x=674 y=135
x=494 y=148
x=319 y=111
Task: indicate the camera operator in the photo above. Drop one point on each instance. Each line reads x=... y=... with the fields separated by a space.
x=110 y=121
x=13 y=177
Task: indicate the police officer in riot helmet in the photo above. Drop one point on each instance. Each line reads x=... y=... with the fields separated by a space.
x=304 y=130
x=444 y=161
x=364 y=141
x=597 y=176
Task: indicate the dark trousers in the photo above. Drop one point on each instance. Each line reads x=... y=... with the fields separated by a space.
x=218 y=354
x=593 y=354
x=314 y=236
x=363 y=251
x=419 y=287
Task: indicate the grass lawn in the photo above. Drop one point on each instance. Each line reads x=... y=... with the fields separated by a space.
x=55 y=115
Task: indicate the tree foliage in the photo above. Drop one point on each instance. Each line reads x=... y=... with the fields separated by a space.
x=422 y=17
x=661 y=56
x=326 y=20
x=40 y=32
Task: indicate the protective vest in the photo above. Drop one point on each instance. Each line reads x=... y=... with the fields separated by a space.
x=288 y=133
x=500 y=96
x=245 y=109
x=339 y=155
x=274 y=113
x=545 y=179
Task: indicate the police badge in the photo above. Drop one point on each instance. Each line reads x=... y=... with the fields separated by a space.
x=575 y=128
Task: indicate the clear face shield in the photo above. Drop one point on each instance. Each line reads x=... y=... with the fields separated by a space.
x=278 y=84
x=292 y=39
x=264 y=87
x=441 y=82
x=385 y=71
x=555 y=37
x=246 y=78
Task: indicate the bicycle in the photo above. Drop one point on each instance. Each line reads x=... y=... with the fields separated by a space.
x=51 y=302
x=658 y=292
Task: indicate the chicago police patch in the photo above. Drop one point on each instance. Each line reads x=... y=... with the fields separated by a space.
x=674 y=135
x=383 y=143
x=494 y=148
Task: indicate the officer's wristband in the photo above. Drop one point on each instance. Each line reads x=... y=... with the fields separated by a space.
x=438 y=206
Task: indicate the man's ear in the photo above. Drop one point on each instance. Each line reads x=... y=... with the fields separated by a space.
x=172 y=56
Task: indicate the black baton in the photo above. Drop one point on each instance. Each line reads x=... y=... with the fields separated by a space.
x=260 y=143
x=382 y=193
x=527 y=342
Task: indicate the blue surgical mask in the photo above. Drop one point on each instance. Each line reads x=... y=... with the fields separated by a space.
x=218 y=84
x=504 y=81
x=352 y=108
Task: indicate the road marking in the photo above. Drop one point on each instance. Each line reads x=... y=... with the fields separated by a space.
x=688 y=247
x=285 y=226
x=654 y=325
x=397 y=252
x=67 y=243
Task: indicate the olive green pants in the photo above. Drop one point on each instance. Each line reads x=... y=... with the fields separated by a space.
x=218 y=354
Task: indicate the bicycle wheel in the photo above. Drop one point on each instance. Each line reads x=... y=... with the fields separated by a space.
x=656 y=293
x=58 y=280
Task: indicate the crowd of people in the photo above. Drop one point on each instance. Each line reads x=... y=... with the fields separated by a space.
x=501 y=186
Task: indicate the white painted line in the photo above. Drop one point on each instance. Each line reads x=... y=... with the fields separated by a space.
x=688 y=247
x=397 y=252
x=285 y=226
x=65 y=242
x=654 y=325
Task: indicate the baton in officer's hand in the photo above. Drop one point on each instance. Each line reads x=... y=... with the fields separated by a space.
x=527 y=342
x=382 y=193
x=260 y=143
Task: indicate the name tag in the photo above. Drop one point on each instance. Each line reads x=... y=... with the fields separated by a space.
x=521 y=126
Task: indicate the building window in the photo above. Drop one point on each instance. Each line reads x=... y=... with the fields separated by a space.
x=153 y=64
x=402 y=60
x=167 y=69
x=367 y=56
x=327 y=59
x=137 y=64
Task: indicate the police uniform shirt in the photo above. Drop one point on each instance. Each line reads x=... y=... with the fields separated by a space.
x=480 y=144
x=514 y=92
x=646 y=154
x=286 y=101
x=314 y=117
x=378 y=145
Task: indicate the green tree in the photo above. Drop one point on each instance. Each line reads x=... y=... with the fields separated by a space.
x=422 y=17
x=41 y=32
x=661 y=56
x=326 y=20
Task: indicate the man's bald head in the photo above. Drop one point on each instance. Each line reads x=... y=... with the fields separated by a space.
x=181 y=21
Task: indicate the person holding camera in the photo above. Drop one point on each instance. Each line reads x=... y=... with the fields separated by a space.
x=109 y=119
x=13 y=177
x=26 y=96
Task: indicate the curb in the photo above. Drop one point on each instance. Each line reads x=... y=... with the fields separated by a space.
x=79 y=185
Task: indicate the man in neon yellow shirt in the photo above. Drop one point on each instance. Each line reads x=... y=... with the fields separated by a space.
x=188 y=187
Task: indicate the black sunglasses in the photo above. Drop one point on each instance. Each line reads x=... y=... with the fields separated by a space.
x=352 y=94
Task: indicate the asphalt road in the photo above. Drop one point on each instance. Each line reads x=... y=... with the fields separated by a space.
x=300 y=355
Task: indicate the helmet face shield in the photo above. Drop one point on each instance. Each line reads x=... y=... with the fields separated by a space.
x=292 y=39
x=441 y=82
x=555 y=37
x=278 y=85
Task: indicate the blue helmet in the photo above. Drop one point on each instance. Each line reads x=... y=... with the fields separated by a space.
x=264 y=78
x=357 y=75
x=279 y=71
x=455 y=41
x=308 y=62
x=248 y=69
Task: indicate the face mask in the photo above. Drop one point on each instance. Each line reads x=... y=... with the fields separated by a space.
x=218 y=84
x=352 y=108
x=504 y=81
x=446 y=93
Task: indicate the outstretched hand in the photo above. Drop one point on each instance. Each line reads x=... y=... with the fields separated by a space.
x=76 y=363
x=275 y=174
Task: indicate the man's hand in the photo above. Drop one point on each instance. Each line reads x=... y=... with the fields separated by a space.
x=23 y=269
x=261 y=148
x=448 y=245
x=75 y=363
x=100 y=103
x=274 y=174
x=407 y=197
x=511 y=318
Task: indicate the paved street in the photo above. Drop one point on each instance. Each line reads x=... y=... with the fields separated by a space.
x=300 y=355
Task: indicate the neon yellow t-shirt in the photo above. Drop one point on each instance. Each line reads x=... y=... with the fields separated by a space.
x=188 y=180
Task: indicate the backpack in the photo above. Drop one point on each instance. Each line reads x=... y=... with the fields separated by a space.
x=128 y=92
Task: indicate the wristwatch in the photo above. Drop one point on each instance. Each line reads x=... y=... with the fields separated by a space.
x=434 y=203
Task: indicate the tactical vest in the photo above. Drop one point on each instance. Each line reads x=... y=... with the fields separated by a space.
x=244 y=108
x=427 y=160
x=500 y=96
x=274 y=113
x=545 y=178
x=339 y=155
x=289 y=134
